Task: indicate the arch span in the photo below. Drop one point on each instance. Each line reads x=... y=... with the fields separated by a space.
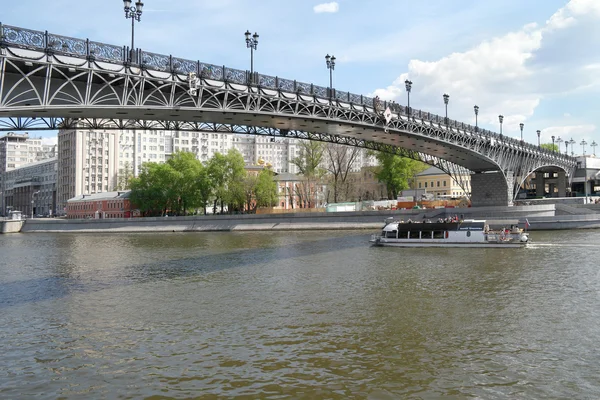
x=82 y=80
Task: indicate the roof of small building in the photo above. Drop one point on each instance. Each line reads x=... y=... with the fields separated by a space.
x=101 y=196
x=286 y=176
x=432 y=171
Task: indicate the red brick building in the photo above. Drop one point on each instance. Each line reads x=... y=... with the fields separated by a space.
x=100 y=205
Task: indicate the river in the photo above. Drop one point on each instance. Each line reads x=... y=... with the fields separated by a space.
x=310 y=315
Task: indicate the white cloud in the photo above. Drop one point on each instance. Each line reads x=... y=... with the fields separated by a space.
x=566 y=132
x=511 y=74
x=332 y=7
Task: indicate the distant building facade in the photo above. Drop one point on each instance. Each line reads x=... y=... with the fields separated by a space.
x=31 y=188
x=18 y=151
x=438 y=183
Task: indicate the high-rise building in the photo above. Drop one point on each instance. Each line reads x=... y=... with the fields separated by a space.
x=18 y=150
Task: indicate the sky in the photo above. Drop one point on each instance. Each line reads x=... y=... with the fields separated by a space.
x=535 y=62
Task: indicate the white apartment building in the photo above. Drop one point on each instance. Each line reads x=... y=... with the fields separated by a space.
x=18 y=150
x=90 y=161
x=87 y=163
x=31 y=188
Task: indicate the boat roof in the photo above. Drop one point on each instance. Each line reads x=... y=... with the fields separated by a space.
x=465 y=225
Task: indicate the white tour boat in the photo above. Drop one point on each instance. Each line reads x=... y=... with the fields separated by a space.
x=467 y=233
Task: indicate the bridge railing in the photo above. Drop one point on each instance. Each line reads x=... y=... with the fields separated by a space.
x=11 y=36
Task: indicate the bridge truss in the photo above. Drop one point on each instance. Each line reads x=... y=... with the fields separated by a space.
x=55 y=82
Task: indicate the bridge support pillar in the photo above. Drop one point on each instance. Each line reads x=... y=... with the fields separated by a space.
x=562 y=184
x=540 y=184
x=491 y=189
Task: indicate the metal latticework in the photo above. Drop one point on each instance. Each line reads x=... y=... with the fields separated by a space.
x=51 y=81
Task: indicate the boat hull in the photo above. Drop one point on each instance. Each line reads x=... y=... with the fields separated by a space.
x=404 y=243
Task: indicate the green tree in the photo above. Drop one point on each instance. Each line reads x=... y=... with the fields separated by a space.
x=154 y=191
x=205 y=188
x=187 y=171
x=227 y=174
x=550 y=147
x=396 y=172
x=266 y=189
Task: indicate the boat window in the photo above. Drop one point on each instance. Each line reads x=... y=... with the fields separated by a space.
x=391 y=234
x=403 y=235
x=438 y=234
x=426 y=234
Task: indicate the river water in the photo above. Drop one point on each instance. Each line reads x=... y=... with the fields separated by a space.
x=310 y=315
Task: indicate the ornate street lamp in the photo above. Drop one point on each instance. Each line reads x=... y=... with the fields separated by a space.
x=572 y=142
x=476 y=109
x=566 y=147
x=539 y=133
x=330 y=62
x=558 y=142
x=501 y=119
x=446 y=100
x=521 y=125
x=594 y=144
x=408 y=86
x=251 y=43
x=585 y=182
x=135 y=13
x=552 y=143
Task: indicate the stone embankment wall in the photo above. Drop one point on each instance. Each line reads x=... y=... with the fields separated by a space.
x=369 y=220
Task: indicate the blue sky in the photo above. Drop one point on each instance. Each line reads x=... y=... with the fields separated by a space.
x=535 y=61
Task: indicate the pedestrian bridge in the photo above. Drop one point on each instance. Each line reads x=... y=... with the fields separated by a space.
x=50 y=81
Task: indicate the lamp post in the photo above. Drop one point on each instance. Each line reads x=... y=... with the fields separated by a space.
x=552 y=143
x=135 y=13
x=330 y=62
x=521 y=125
x=32 y=201
x=476 y=109
x=594 y=144
x=566 y=147
x=501 y=119
x=572 y=142
x=408 y=86
x=539 y=133
x=446 y=100
x=583 y=143
x=585 y=181
x=558 y=142
x=252 y=44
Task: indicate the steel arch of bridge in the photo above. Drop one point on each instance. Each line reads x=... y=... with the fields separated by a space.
x=65 y=81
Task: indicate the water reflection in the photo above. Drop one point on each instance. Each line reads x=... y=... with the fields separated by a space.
x=86 y=262
x=307 y=315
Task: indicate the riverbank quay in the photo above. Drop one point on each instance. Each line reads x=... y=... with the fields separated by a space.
x=539 y=217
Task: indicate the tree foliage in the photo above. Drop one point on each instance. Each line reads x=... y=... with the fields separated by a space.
x=550 y=147
x=266 y=189
x=397 y=172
